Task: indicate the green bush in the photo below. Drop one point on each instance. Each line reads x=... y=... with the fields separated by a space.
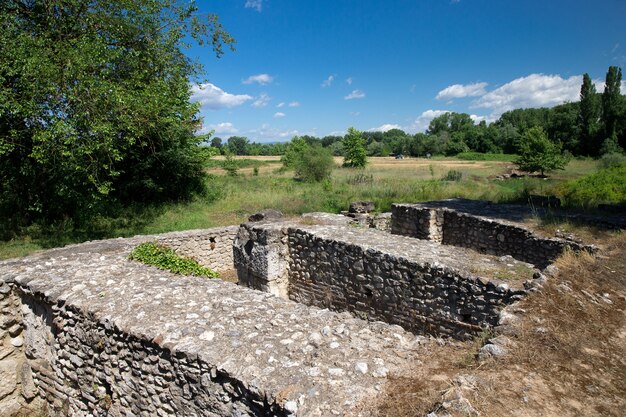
x=153 y=254
x=611 y=160
x=314 y=164
x=452 y=175
x=607 y=186
x=477 y=156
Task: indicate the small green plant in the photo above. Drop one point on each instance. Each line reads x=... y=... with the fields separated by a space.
x=255 y=171
x=164 y=258
x=452 y=175
x=230 y=165
x=360 y=179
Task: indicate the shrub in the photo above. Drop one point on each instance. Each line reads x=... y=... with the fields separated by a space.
x=607 y=186
x=452 y=175
x=538 y=153
x=612 y=160
x=314 y=164
x=151 y=253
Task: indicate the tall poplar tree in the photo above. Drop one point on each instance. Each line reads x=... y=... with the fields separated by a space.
x=612 y=102
x=589 y=117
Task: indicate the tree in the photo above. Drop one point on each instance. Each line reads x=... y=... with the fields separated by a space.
x=238 y=145
x=314 y=163
x=354 y=148
x=588 y=117
x=216 y=142
x=612 y=101
x=538 y=153
x=94 y=105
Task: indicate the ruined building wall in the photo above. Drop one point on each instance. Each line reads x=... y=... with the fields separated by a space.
x=212 y=248
x=84 y=367
x=483 y=235
x=422 y=297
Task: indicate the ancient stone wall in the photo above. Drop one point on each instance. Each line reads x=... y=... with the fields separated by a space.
x=85 y=367
x=17 y=389
x=212 y=248
x=102 y=335
x=360 y=270
x=451 y=227
x=423 y=298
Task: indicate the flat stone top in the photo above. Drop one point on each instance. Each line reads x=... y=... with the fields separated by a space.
x=324 y=361
x=466 y=262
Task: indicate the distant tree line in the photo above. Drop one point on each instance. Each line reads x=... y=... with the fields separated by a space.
x=593 y=126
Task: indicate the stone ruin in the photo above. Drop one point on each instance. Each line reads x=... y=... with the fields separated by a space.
x=326 y=308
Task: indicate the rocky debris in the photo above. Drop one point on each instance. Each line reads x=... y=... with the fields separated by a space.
x=266 y=215
x=361 y=207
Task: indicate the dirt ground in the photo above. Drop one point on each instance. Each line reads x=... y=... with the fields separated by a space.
x=567 y=356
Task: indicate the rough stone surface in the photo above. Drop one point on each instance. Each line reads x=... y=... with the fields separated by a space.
x=106 y=334
x=454 y=222
x=361 y=207
x=265 y=215
x=423 y=286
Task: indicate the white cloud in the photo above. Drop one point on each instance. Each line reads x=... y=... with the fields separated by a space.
x=262 y=79
x=328 y=81
x=254 y=4
x=384 y=128
x=355 y=94
x=355 y=113
x=261 y=101
x=421 y=123
x=214 y=98
x=279 y=114
x=220 y=128
x=294 y=104
x=268 y=132
x=535 y=90
x=281 y=104
x=349 y=80
x=460 y=91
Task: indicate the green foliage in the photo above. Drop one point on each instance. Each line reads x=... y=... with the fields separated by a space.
x=610 y=146
x=537 y=153
x=354 y=147
x=314 y=164
x=476 y=156
x=164 y=258
x=607 y=186
x=295 y=149
x=453 y=175
x=612 y=101
x=230 y=164
x=612 y=160
x=94 y=106
x=589 y=117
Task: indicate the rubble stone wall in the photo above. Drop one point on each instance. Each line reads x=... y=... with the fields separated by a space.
x=212 y=248
x=481 y=234
x=83 y=367
x=345 y=268
x=422 y=298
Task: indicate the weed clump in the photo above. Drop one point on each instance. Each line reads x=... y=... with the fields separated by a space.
x=153 y=254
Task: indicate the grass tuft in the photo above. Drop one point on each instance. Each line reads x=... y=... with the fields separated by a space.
x=153 y=254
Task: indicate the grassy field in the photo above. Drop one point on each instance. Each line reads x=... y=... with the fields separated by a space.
x=231 y=199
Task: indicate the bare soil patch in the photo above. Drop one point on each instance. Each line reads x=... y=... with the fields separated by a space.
x=568 y=357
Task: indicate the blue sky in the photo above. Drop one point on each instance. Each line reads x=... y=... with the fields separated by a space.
x=318 y=67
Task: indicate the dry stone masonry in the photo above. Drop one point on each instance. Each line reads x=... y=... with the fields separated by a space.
x=336 y=305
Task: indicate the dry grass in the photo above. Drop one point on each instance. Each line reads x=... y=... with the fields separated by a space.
x=569 y=358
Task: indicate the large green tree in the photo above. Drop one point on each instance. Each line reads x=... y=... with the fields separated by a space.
x=538 y=153
x=354 y=146
x=94 y=104
x=589 y=117
x=612 y=102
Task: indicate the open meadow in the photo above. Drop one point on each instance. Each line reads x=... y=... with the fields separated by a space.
x=260 y=183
